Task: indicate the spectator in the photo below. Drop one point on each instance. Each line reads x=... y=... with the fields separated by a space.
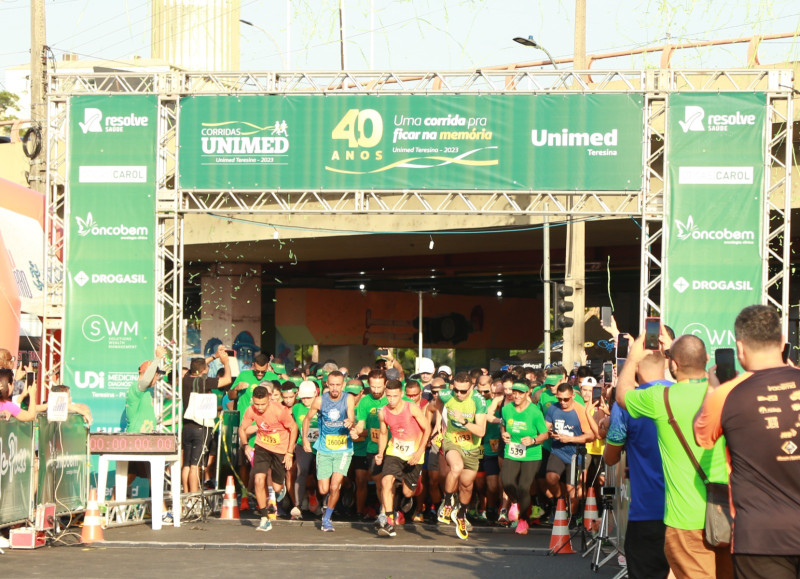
x=688 y=554
x=756 y=412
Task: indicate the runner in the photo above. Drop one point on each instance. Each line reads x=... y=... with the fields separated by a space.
x=368 y=428
x=409 y=428
x=334 y=446
x=466 y=424
x=276 y=431
x=523 y=432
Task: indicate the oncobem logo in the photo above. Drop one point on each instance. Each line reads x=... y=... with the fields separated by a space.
x=88 y=227
x=690 y=230
x=93 y=122
x=96 y=328
x=90 y=380
x=693 y=120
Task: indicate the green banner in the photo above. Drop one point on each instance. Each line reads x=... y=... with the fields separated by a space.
x=227 y=453
x=713 y=267
x=491 y=142
x=16 y=470
x=110 y=297
x=63 y=463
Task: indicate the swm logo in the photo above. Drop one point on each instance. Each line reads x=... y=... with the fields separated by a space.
x=96 y=328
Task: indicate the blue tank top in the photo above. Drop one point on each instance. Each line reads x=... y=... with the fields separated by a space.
x=334 y=437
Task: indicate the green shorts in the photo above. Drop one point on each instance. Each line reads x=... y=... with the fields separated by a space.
x=331 y=462
x=471 y=458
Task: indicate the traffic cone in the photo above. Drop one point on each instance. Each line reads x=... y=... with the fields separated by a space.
x=559 y=539
x=92 y=530
x=590 y=511
x=245 y=502
x=230 y=504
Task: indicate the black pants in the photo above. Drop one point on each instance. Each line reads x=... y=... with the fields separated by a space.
x=517 y=477
x=766 y=566
x=644 y=550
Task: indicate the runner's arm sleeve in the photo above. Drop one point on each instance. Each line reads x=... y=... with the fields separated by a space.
x=618 y=429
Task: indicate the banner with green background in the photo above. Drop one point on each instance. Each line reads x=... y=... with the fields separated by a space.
x=484 y=142
x=715 y=153
x=16 y=470
x=110 y=295
x=63 y=463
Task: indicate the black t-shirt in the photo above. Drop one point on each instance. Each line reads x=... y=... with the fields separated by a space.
x=760 y=421
x=201 y=384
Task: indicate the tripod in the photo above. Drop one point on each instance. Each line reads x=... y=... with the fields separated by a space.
x=596 y=544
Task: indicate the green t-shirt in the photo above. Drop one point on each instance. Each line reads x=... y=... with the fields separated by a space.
x=529 y=422
x=367 y=410
x=139 y=412
x=685 y=506
x=245 y=397
x=299 y=411
x=469 y=408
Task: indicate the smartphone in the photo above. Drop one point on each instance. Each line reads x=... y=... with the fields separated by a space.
x=786 y=348
x=724 y=360
x=231 y=353
x=597 y=393
x=605 y=316
x=23 y=358
x=652 y=329
x=608 y=372
x=622 y=347
x=383 y=352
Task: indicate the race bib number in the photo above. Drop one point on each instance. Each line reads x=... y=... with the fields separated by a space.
x=494 y=444
x=436 y=441
x=336 y=441
x=313 y=435
x=374 y=434
x=459 y=437
x=516 y=450
x=403 y=448
x=269 y=439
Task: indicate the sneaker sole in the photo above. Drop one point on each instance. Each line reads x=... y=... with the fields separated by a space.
x=264 y=530
x=384 y=533
x=461 y=536
x=443 y=520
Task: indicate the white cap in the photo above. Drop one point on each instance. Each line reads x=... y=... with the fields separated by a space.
x=588 y=381
x=425 y=366
x=445 y=369
x=307 y=389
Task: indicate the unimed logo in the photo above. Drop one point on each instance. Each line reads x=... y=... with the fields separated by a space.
x=91 y=380
x=96 y=328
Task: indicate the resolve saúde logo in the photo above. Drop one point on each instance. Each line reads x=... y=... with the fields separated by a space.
x=693 y=120
x=93 y=122
x=690 y=230
x=87 y=226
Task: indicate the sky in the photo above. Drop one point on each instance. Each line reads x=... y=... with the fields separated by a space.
x=403 y=35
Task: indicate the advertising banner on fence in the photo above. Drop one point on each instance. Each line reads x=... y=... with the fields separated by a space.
x=491 y=142
x=110 y=299
x=715 y=152
x=16 y=470
x=63 y=461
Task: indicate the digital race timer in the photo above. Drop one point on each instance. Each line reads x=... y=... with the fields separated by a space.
x=132 y=443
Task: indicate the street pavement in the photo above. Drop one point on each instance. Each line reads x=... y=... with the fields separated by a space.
x=298 y=548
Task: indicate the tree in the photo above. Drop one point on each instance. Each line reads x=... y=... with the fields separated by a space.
x=8 y=101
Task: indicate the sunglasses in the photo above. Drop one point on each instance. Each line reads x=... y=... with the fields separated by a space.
x=259 y=371
x=564 y=399
x=456 y=390
x=484 y=391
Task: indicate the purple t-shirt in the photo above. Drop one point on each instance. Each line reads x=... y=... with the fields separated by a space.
x=14 y=409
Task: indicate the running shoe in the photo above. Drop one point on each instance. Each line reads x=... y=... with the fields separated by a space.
x=502 y=518
x=522 y=527
x=418 y=518
x=461 y=528
x=390 y=530
x=537 y=512
x=454 y=518
x=327 y=526
x=406 y=504
x=296 y=514
x=280 y=495
x=513 y=512
x=445 y=514
x=272 y=511
x=167 y=519
x=384 y=527
x=265 y=525
x=481 y=517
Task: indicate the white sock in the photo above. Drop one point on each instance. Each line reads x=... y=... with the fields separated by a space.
x=271 y=494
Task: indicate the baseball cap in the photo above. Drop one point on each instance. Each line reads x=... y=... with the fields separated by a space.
x=353 y=388
x=553 y=379
x=589 y=381
x=307 y=389
x=392 y=374
x=445 y=369
x=426 y=366
x=520 y=387
x=278 y=367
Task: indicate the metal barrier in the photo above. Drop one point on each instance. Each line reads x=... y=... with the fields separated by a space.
x=16 y=471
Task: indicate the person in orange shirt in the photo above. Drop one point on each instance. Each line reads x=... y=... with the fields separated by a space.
x=276 y=434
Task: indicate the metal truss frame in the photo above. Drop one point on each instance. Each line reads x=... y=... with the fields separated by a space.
x=647 y=205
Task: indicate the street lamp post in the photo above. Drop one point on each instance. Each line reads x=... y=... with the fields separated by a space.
x=533 y=44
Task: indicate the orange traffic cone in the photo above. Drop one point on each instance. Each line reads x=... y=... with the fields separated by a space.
x=245 y=502
x=590 y=517
x=230 y=505
x=92 y=530
x=559 y=539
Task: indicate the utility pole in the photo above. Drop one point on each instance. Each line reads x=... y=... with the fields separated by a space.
x=38 y=82
x=575 y=270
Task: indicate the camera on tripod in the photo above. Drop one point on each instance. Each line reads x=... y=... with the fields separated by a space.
x=607 y=495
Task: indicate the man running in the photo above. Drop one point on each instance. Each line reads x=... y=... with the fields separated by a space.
x=462 y=446
x=334 y=445
x=409 y=428
x=277 y=433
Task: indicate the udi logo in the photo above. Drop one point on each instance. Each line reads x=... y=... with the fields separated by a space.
x=91 y=380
